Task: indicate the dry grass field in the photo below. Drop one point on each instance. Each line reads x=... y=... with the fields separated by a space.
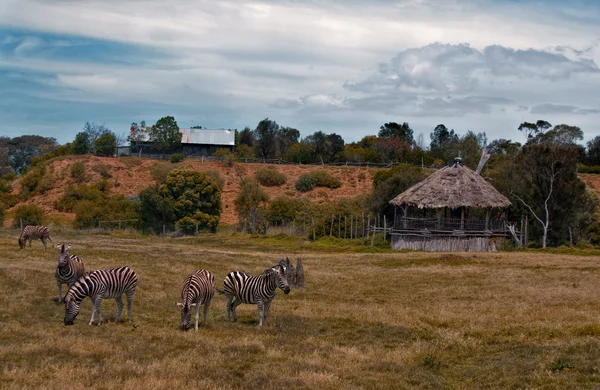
x=375 y=320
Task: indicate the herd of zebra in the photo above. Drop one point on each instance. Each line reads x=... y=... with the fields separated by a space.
x=196 y=290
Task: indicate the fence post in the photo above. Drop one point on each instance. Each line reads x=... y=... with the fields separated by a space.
x=164 y=229
x=345 y=225
x=368 y=224
x=196 y=227
x=21 y=222
x=384 y=227
x=331 y=228
x=340 y=226
x=351 y=218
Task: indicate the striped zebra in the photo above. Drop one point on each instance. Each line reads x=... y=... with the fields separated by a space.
x=69 y=268
x=98 y=285
x=197 y=289
x=31 y=232
x=240 y=287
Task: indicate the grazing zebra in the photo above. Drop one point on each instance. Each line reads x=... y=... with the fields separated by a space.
x=240 y=287
x=31 y=232
x=197 y=289
x=69 y=268
x=100 y=284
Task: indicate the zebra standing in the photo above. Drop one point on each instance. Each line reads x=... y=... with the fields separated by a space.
x=69 y=268
x=240 y=287
x=197 y=289
x=98 y=285
x=31 y=232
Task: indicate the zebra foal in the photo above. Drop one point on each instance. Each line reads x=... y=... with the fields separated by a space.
x=98 y=285
x=196 y=289
x=240 y=287
x=31 y=232
x=69 y=268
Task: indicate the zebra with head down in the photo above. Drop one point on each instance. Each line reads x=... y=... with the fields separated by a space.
x=98 y=285
x=240 y=287
x=197 y=289
x=31 y=232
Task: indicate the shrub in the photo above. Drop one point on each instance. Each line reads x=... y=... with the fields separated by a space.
x=30 y=214
x=109 y=208
x=270 y=177
x=283 y=209
x=102 y=169
x=160 y=171
x=225 y=155
x=176 y=157
x=309 y=180
x=78 y=172
x=76 y=193
x=30 y=180
x=1 y=215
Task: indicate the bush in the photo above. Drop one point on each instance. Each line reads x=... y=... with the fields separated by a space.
x=309 y=180
x=76 y=193
x=30 y=214
x=102 y=169
x=109 y=208
x=588 y=168
x=1 y=215
x=160 y=171
x=225 y=155
x=78 y=172
x=30 y=180
x=270 y=177
x=176 y=157
x=283 y=209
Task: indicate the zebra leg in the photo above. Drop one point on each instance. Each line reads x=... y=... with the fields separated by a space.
x=119 y=300
x=266 y=310
x=261 y=312
x=206 y=305
x=228 y=305
x=96 y=308
x=235 y=304
x=44 y=242
x=197 y=314
x=129 y=300
x=59 y=291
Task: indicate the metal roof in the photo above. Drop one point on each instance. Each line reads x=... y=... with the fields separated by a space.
x=207 y=136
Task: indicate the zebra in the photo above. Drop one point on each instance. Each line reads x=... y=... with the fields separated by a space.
x=197 y=289
x=240 y=287
x=100 y=284
x=69 y=268
x=31 y=232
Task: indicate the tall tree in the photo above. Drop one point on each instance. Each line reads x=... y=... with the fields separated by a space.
x=106 y=145
x=530 y=130
x=286 y=137
x=393 y=129
x=165 y=134
x=94 y=131
x=245 y=137
x=592 y=156
x=440 y=139
x=265 y=135
x=138 y=134
x=81 y=143
x=22 y=149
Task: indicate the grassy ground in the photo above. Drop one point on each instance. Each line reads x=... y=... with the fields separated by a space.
x=366 y=320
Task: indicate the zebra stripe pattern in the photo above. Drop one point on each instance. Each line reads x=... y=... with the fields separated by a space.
x=197 y=289
x=69 y=268
x=31 y=232
x=98 y=285
x=240 y=287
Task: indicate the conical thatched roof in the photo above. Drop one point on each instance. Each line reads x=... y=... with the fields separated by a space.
x=453 y=186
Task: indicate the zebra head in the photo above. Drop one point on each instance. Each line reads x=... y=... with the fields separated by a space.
x=186 y=314
x=21 y=242
x=282 y=282
x=63 y=254
x=71 y=309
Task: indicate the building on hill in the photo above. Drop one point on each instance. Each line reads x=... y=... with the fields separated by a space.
x=194 y=142
x=452 y=210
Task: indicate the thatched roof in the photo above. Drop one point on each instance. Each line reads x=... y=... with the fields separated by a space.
x=453 y=186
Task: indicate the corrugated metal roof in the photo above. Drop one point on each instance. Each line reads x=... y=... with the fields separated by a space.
x=207 y=136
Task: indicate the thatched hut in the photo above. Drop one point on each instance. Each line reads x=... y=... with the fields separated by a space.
x=434 y=214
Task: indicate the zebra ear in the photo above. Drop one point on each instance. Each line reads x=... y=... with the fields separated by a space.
x=192 y=305
x=178 y=304
x=69 y=247
x=58 y=246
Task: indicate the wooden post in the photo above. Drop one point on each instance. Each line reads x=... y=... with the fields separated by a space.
x=368 y=224
x=351 y=220
x=487 y=219
x=331 y=228
x=363 y=224
x=384 y=227
x=526 y=231
x=345 y=225
x=339 y=226
x=462 y=218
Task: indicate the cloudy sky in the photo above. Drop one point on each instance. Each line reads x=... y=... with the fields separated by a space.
x=343 y=66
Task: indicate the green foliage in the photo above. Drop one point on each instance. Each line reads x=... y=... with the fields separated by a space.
x=78 y=172
x=595 y=169
x=63 y=150
x=102 y=169
x=270 y=176
x=309 y=180
x=165 y=134
x=105 y=145
x=244 y=151
x=108 y=208
x=249 y=203
x=30 y=180
x=283 y=209
x=81 y=143
x=30 y=214
x=176 y=157
x=225 y=156
x=216 y=176
x=186 y=193
x=82 y=192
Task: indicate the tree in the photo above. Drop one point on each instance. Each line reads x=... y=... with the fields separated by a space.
x=393 y=129
x=286 y=137
x=81 y=143
x=105 y=145
x=592 y=156
x=249 y=200
x=94 y=131
x=245 y=137
x=266 y=135
x=165 y=134
x=138 y=135
x=21 y=150
x=530 y=130
x=440 y=139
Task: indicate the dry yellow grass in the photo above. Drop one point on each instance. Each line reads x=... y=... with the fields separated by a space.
x=365 y=320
